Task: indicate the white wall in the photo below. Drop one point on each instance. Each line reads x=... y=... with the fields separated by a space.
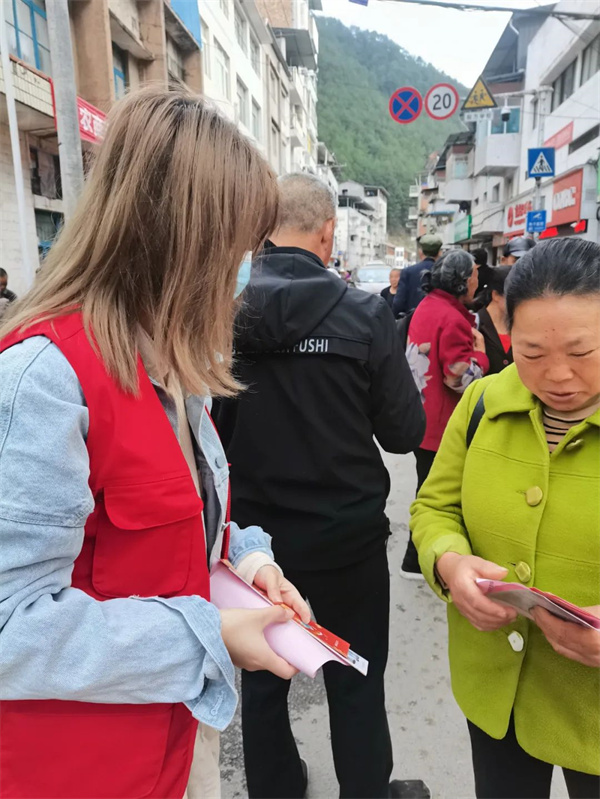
x=10 y=246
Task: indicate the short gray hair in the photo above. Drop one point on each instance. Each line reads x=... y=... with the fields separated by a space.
x=306 y=203
x=450 y=273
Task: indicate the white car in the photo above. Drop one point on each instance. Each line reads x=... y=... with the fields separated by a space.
x=372 y=277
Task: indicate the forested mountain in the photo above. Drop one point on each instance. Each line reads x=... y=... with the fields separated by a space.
x=358 y=72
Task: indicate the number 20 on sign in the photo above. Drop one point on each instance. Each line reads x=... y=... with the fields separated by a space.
x=441 y=101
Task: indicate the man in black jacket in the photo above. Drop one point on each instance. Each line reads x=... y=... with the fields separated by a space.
x=409 y=293
x=325 y=374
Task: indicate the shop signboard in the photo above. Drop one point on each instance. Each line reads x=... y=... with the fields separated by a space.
x=462 y=229
x=566 y=199
x=515 y=217
x=561 y=138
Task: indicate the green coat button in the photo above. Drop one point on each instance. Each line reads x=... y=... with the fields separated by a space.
x=574 y=445
x=534 y=496
x=523 y=571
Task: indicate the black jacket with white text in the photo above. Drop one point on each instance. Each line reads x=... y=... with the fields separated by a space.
x=326 y=375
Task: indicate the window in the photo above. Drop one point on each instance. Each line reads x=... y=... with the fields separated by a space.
x=255 y=54
x=485 y=196
x=512 y=126
x=241 y=30
x=509 y=189
x=222 y=71
x=205 y=48
x=460 y=167
x=590 y=60
x=224 y=4
x=584 y=139
x=496 y=193
x=273 y=85
x=28 y=32
x=242 y=102
x=255 y=120
x=45 y=174
x=119 y=71
x=47 y=225
x=174 y=60
x=564 y=86
x=275 y=146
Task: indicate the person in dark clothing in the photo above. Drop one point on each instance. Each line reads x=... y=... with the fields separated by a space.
x=515 y=248
x=446 y=353
x=389 y=292
x=484 y=275
x=6 y=293
x=493 y=324
x=326 y=376
x=6 y=296
x=410 y=293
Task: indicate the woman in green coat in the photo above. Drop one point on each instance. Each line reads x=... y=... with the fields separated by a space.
x=522 y=503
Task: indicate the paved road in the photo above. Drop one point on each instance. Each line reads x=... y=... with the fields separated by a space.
x=428 y=730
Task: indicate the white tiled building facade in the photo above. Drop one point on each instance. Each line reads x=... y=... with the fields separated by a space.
x=259 y=62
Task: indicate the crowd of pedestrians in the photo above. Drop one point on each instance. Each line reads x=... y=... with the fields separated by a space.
x=186 y=318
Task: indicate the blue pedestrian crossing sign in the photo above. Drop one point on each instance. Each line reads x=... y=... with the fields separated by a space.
x=540 y=162
x=536 y=221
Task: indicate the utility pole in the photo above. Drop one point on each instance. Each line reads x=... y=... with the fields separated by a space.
x=13 y=127
x=65 y=98
x=542 y=92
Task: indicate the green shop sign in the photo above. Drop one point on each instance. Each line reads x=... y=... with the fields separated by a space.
x=462 y=229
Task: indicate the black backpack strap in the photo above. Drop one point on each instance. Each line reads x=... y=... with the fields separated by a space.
x=476 y=417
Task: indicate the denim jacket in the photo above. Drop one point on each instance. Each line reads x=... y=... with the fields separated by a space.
x=56 y=642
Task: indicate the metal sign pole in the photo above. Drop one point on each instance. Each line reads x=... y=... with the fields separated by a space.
x=13 y=126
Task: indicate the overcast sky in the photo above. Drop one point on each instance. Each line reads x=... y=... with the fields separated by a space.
x=457 y=42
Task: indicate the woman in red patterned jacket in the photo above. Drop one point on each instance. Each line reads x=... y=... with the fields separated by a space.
x=446 y=353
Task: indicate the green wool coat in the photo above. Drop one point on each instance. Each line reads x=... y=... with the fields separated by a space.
x=481 y=502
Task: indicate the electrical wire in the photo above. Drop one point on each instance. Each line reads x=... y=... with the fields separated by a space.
x=531 y=12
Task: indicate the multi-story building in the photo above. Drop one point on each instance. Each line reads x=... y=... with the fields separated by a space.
x=117 y=44
x=295 y=28
x=562 y=110
x=256 y=60
x=260 y=61
x=362 y=224
x=378 y=197
x=545 y=76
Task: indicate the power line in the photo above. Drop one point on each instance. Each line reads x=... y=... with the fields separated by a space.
x=530 y=12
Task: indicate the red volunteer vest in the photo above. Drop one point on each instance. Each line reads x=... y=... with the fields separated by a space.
x=145 y=537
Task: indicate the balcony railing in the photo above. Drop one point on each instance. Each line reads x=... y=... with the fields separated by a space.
x=458 y=190
x=498 y=154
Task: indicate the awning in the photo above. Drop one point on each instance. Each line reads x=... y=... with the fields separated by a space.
x=299 y=47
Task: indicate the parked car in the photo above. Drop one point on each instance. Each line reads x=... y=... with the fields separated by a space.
x=372 y=277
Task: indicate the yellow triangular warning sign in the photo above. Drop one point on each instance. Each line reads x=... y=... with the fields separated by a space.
x=479 y=97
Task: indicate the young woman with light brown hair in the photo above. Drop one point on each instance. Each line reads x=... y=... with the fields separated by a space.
x=114 y=485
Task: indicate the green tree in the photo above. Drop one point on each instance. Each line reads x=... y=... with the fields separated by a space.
x=358 y=72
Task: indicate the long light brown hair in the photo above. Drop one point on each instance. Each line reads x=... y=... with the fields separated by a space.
x=175 y=199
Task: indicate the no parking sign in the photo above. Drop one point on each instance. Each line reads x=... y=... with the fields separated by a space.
x=441 y=101
x=406 y=105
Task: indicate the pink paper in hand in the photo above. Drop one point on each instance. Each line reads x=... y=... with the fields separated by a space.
x=288 y=640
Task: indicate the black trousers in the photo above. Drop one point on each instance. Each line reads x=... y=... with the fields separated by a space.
x=503 y=770
x=425 y=458
x=353 y=602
